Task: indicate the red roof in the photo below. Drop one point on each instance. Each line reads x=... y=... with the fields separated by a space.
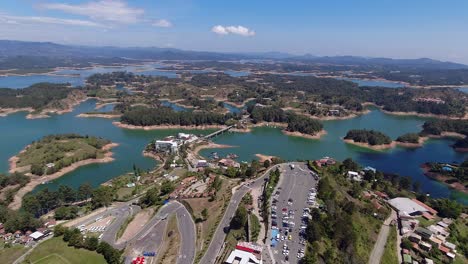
x=432 y=211
x=444 y=249
x=381 y=194
x=427 y=216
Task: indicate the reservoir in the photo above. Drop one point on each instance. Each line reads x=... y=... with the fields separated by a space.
x=17 y=132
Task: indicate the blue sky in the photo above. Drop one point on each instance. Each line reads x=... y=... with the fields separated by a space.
x=377 y=28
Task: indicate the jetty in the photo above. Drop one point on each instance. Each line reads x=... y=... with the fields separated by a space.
x=218 y=132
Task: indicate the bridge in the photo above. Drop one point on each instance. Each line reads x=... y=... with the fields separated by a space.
x=214 y=134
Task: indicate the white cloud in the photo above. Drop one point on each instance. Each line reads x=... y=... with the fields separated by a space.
x=238 y=30
x=47 y=20
x=104 y=10
x=162 y=23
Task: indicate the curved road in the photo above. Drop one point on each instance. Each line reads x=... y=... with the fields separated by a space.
x=217 y=241
x=150 y=237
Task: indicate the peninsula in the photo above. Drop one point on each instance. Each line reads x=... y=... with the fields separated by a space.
x=55 y=155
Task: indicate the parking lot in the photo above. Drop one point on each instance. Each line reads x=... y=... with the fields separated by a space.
x=290 y=208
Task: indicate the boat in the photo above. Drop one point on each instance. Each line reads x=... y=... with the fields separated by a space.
x=232 y=156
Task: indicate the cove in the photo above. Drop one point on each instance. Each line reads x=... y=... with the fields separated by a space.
x=17 y=132
x=403 y=161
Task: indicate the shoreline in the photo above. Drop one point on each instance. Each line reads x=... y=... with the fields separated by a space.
x=37 y=180
x=210 y=145
x=162 y=127
x=109 y=116
x=263 y=158
x=424 y=115
x=442 y=179
x=317 y=136
x=372 y=147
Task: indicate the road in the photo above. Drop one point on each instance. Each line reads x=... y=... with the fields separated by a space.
x=188 y=236
x=150 y=237
x=379 y=247
x=291 y=198
x=217 y=241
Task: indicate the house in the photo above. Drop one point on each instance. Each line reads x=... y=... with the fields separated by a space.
x=368 y=168
x=354 y=176
x=414 y=238
x=18 y=233
x=407 y=259
x=8 y=236
x=425 y=246
x=428 y=216
x=428 y=261
x=381 y=195
x=228 y=163
x=366 y=195
x=435 y=241
x=450 y=245
x=202 y=164
x=423 y=232
x=444 y=249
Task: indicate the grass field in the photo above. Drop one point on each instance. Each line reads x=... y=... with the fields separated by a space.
x=8 y=255
x=390 y=253
x=56 y=251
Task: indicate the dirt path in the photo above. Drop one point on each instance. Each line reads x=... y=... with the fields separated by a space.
x=136 y=225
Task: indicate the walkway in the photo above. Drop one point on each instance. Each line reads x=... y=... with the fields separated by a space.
x=379 y=246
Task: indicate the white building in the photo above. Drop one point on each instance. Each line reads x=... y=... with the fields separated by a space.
x=354 y=176
x=242 y=257
x=407 y=206
x=166 y=146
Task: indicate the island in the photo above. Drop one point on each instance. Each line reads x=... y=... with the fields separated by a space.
x=40 y=99
x=440 y=128
x=453 y=175
x=53 y=156
x=411 y=140
x=369 y=139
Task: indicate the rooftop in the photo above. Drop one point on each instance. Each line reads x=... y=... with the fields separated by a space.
x=242 y=257
x=403 y=204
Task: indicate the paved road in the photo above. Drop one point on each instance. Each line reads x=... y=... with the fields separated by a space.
x=217 y=241
x=188 y=236
x=295 y=184
x=379 y=247
x=150 y=237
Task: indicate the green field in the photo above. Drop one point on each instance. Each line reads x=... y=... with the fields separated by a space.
x=8 y=255
x=56 y=251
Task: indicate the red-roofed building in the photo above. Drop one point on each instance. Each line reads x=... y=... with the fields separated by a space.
x=428 y=216
x=376 y=204
x=444 y=249
x=428 y=208
x=381 y=195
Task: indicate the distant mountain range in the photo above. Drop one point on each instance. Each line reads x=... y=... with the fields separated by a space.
x=12 y=48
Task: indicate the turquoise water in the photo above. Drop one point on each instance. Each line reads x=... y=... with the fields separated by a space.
x=17 y=132
x=403 y=161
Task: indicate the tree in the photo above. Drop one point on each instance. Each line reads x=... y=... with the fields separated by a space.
x=266 y=163
x=102 y=196
x=240 y=218
x=151 y=197
x=405 y=243
x=85 y=191
x=349 y=164
x=66 y=194
x=91 y=243
x=167 y=187
x=204 y=213
x=405 y=183
x=59 y=230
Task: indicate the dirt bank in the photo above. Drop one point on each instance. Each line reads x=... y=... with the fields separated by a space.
x=373 y=147
x=299 y=134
